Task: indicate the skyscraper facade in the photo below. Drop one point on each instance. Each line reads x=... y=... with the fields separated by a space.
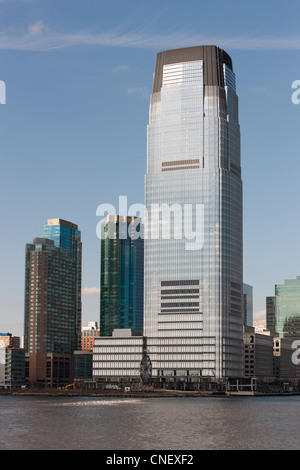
x=283 y=310
x=66 y=235
x=122 y=274
x=193 y=271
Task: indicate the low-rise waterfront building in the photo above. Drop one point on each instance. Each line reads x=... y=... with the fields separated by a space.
x=49 y=370
x=283 y=364
x=258 y=358
x=117 y=358
x=12 y=367
x=83 y=366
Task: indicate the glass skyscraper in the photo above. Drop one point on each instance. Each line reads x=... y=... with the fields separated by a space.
x=283 y=310
x=66 y=235
x=122 y=274
x=193 y=192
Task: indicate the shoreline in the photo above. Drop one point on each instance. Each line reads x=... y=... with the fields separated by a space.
x=109 y=394
x=139 y=394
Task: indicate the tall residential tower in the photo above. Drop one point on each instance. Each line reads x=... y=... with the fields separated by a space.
x=66 y=235
x=49 y=313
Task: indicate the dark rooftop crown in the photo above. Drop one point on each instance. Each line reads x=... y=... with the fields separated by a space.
x=212 y=56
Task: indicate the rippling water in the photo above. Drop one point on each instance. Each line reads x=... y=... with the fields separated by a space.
x=33 y=423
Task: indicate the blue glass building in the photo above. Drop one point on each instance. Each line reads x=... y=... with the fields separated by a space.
x=66 y=235
x=122 y=275
x=283 y=310
x=193 y=272
x=193 y=289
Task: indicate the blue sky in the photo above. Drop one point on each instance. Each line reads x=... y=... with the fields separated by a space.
x=78 y=77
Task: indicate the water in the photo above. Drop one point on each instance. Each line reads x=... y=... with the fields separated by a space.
x=66 y=423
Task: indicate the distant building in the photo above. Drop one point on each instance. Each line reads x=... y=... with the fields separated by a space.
x=258 y=355
x=283 y=310
x=49 y=321
x=88 y=335
x=259 y=325
x=122 y=274
x=49 y=370
x=83 y=366
x=268 y=357
x=248 y=304
x=271 y=314
x=12 y=367
x=8 y=339
x=66 y=235
x=283 y=365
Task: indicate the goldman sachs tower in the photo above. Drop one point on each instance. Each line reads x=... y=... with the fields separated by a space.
x=193 y=195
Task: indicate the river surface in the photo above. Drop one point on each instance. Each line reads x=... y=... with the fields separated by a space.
x=66 y=423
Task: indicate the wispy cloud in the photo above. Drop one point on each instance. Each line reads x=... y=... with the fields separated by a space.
x=45 y=38
x=141 y=91
x=261 y=90
x=15 y=1
x=122 y=68
x=261 y=315
x=86 y=291
x=36 y=28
